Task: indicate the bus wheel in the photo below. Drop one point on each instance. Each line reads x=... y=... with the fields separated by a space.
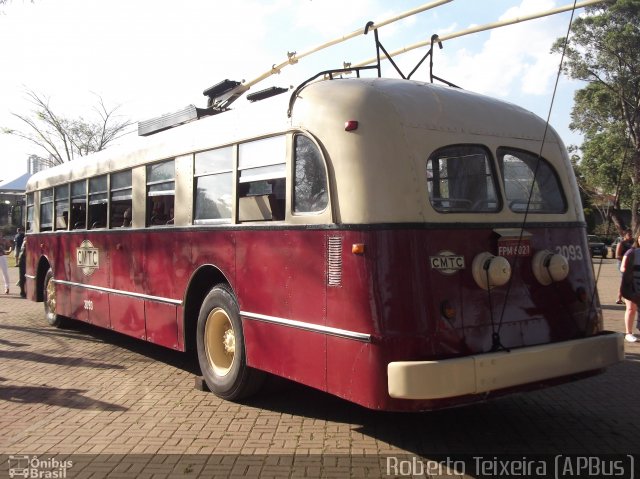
x=50 y=301
x=221 y=348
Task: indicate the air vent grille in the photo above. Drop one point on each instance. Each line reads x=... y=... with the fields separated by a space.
x=334 y=260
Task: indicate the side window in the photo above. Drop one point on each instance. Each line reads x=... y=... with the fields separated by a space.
x=78 y=219
x=46 y=210
x=62 y=207
x=30 y=206
x=310 y=182
x=98 y=202
x=530 y=183
x=121 y=200
x=160 y=193
x=461 y=179
x=261 y=179
x=213 y=184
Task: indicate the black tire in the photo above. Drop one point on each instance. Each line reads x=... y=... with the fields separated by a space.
x=50 y=314
x=221 y=348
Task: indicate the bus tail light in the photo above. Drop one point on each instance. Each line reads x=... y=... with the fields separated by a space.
x=357 y=248
x=350 y=125
x=447 y=310
x=581 y=293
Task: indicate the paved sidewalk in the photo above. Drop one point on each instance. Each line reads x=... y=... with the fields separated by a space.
x=84 y=390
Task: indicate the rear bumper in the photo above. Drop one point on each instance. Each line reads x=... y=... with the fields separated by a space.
x=492 y=371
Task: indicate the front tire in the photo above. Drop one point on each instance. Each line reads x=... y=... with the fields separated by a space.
x=221 y=348
x=50 y=301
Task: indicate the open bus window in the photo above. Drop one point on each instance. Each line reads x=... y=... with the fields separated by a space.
x=62 y=207
x=121 y=200
x=98 y=202
x=160 y=193
x=213 y=186
x=261 y=180
x=46 y=210
x=519 y=168
x=310 y=183
x=460 y=179
x=78 y=215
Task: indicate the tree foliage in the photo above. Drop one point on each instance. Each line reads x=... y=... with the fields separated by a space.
x=604 y=50
x=63 y=139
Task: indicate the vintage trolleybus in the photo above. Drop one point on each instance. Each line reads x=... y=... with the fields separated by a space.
x=402 y=245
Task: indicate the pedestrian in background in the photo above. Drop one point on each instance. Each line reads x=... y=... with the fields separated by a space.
x=3 y=264
x=17 y=243
x=624 y=245
x=631 y=263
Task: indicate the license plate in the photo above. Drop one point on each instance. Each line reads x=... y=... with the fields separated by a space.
x=514 y=247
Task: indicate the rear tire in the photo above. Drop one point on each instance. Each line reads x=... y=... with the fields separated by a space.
x=221 y=348
x=50 y=314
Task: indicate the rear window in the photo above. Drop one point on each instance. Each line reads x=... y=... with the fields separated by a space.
x=530 y=183
x=460 y=178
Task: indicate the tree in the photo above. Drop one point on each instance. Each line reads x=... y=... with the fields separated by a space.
x=604 y=50
x=64 y=139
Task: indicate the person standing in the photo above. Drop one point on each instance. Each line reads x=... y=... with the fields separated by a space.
x=17 y=243
x=623 y=246
x=3 y=265
x=22 y=268
x=631 y=260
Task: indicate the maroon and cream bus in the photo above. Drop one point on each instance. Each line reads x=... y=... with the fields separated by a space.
x=401 y=245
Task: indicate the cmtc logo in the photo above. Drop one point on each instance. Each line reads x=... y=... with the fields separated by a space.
x=87 y=258
x=447 y=262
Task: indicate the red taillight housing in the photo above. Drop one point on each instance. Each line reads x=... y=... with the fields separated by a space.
x=350 y=125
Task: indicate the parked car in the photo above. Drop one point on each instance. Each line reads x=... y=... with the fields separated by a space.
x=597 y=246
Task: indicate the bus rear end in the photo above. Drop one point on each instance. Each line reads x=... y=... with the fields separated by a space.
x=459 y=248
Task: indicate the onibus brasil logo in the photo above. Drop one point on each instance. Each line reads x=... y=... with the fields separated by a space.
x=87 y=257
x=35 y=467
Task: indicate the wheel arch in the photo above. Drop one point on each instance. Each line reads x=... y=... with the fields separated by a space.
x=201 y=282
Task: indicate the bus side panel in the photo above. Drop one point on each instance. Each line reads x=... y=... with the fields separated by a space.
x=127 y=268
x=355 y=369
x=162 y=254
x=127 y=315
x=161 y=324
x=284 y=280
x=97 y=304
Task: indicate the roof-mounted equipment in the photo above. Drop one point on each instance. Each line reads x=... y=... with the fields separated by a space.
x=266 y=93
x=222 y=94
x=169 y=120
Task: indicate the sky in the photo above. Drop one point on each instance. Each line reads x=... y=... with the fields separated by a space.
x=150 y=57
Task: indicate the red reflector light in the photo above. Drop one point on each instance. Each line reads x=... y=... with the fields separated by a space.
x=350 y=125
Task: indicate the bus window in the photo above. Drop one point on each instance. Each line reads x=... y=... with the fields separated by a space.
x=310 y=183
x=160 y=193
x=30 y=213
x=213 y=182
x=46 y=210
x=460 y=179
x=62 y=207
x=261 y=178
x=121 y=203
x=78 y=205
x=518 y=170
x=98 y=202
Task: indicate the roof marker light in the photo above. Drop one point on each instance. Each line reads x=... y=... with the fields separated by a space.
x=350 y=125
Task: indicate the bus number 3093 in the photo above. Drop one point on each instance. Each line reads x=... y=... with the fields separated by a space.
x=571 y=252
x=88 y=305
